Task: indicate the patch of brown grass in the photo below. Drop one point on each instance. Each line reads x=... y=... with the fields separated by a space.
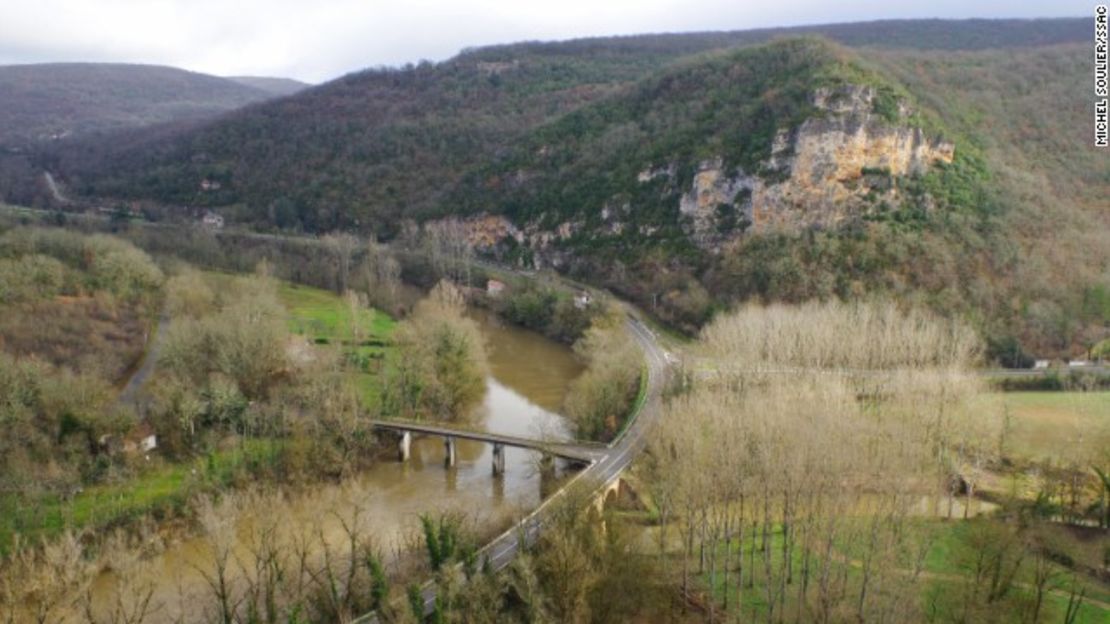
x=87 y=334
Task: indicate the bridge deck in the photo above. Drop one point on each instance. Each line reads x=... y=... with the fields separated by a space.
x=565 y=450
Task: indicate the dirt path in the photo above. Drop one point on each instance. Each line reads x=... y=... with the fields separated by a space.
x=54 y=190
x=131 y=390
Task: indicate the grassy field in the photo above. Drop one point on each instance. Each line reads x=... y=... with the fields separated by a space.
x=946 y=571
x=1045 y=425
x=327 y=319
x=162 y=488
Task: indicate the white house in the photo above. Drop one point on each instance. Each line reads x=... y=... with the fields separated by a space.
x=213 y=220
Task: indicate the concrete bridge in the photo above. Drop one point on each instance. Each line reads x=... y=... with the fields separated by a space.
x=581 y=453
x=602 y=474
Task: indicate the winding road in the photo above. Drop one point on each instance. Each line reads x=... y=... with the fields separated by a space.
x=611 y=461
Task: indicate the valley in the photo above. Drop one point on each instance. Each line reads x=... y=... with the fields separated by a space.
x=798 y=324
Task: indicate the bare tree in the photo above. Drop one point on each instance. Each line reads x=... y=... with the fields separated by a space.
x=342 y=246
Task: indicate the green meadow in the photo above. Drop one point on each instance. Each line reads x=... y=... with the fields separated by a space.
x=362 y=333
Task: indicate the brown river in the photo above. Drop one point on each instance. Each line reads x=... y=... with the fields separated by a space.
x=529 y=378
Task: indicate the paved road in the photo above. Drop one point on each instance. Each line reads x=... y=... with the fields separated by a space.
x=584 y=453
x=707 y=367
x=612 y=460
x=1095 y=369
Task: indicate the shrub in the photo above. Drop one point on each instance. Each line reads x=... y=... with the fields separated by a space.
x=601 y=397
x=440 y=369
x=1008 y=352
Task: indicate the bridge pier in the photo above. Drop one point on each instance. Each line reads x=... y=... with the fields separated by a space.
x=547 y=464
x=449 y=448
x=498 y=459
x=404 y=447
x=547 y=474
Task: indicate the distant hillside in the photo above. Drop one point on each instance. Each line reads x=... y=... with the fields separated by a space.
x=921 y=34
x=54 y=101
x=374 y=146
x=275 y=86
x=691 y=171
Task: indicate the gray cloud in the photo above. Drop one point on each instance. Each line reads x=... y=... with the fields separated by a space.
x=321 y=39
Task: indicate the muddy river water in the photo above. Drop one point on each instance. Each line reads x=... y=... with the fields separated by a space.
x=529 y=378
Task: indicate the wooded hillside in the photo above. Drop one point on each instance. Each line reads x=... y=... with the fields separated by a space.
x=555 y=135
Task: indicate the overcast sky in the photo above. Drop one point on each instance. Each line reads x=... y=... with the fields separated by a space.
x=315 y=40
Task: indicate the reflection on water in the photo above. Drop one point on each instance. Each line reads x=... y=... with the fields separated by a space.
x=528 y=382
x=532 y=366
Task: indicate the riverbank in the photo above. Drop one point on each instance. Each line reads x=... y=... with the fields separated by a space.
x=530 y=377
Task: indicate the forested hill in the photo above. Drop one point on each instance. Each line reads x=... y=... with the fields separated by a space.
x=373 y=145
x=59 y=100
x=690 y=171
x=276 y=86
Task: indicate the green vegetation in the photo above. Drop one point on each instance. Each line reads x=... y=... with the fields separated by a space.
x=325 y=317
x=604 y=396
x=548 y=310
x=583 y=568
x=72 y=317
x=162 y=491
x=447 y=115
x=440 y=368
x=1054 y=306
x=944 y=580
x=575 y=122
x=1060 y=426
x=801 y=481
x=557 y=133
x=363 y=334
x=235 y=395
x=1055 y=380
x=80 y=302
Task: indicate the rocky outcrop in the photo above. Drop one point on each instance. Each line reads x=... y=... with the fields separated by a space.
x=484 y=232
x=488 y=234
x=836 y=164
x=714 y=193
x=841 y=162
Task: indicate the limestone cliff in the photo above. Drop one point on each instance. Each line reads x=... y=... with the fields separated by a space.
x=842 y=161
x=836 y=164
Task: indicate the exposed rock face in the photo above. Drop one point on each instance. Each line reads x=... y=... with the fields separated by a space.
x=712 y=193
x=818 y=174
x=487 y=233
x=839 y=163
